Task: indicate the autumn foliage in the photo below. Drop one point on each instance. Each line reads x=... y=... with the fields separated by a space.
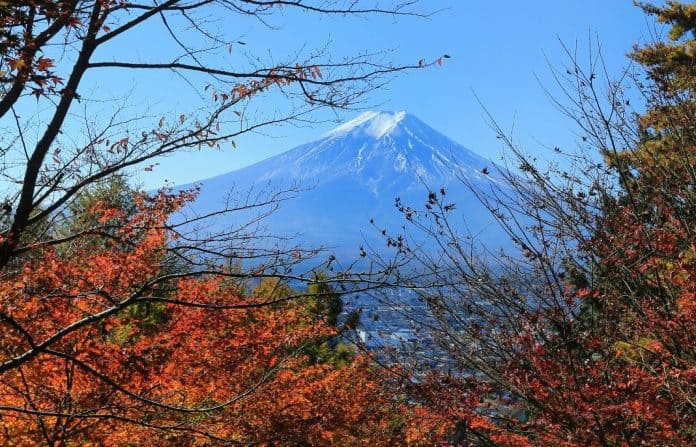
x=121 y=324
x=190 y=362
x=588 y=337
x=118 y=327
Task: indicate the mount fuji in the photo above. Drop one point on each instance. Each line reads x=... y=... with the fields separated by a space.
x=352 y=176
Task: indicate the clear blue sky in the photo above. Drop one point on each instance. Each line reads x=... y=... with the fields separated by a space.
x=498 y=50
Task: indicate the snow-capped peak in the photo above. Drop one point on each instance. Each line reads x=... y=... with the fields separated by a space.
x=353 y=174
x=373 y=124
x=378 y=151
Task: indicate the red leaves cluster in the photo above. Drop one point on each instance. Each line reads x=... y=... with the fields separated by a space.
x=611 y=359
x=21 y=60
x=180 y=361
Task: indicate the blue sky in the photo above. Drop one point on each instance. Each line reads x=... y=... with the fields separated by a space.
x=500 y=53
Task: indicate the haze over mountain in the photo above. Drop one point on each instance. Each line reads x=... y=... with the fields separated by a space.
x=353 y=174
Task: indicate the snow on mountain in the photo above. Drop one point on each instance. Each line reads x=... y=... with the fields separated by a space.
x=354 y=173
x=376 y=148
x=378 y=124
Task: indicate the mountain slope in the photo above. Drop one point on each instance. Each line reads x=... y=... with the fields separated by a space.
x=354 y=173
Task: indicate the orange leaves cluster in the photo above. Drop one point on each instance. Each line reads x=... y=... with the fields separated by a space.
x=20 y=54
x=612 y=362
x=274 y=77
x=184 y=361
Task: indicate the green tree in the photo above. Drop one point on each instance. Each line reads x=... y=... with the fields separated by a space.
x=325 y=304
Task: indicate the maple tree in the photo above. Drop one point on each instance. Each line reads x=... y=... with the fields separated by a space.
x=123 y=317
x=586 y=335
x=120 y=352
